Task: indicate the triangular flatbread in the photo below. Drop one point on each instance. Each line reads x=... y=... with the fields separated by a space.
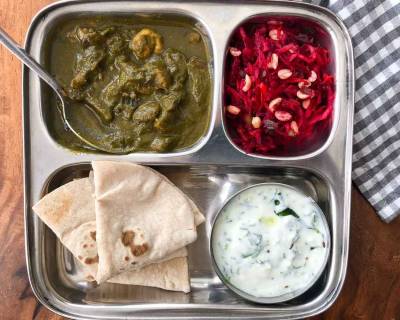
x=140 y=217
x=169 y=275
x=70 y=212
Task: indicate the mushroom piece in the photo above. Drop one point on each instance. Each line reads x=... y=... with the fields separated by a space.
x=145 y=42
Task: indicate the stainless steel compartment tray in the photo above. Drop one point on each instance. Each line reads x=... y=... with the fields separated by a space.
x=209 y=186
x=209 y=176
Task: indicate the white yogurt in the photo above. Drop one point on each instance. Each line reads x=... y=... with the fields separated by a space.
x=270 y=240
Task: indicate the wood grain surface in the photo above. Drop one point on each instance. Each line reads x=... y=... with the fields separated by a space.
x=372 y=287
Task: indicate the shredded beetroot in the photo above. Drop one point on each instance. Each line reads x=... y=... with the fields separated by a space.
x=279 y=72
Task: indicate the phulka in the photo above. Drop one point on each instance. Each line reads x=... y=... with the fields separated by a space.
x=140 y=217
x=69 y=212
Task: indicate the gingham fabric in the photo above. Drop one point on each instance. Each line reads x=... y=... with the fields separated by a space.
x=374 y=26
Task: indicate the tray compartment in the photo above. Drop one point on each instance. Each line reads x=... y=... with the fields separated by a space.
x=50 y=46
x=209 y=186
x=329 y=43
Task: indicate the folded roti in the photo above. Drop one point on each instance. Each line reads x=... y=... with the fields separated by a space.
x=69 y=212
x=198 y=216
x=140 y=217
x=170 y=275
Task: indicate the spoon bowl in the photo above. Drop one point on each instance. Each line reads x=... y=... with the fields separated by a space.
x=65 y=103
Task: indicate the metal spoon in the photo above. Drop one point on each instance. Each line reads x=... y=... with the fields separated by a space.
x=65 y=104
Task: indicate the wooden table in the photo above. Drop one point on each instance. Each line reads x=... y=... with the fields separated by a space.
x=372 y=287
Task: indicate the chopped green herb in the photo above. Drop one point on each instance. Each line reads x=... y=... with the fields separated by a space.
x=297 y=237
x=287 y=212
x=314 y=224
x=256 y=241
x=244 y=256
x=277 y=202
x=254 y=254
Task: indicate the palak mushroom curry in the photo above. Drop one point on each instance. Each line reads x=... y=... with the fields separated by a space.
x=136 y=84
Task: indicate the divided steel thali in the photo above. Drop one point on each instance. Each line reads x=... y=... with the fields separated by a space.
x=240 y=97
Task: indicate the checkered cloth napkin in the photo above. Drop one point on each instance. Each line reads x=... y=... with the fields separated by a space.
x=374 y=26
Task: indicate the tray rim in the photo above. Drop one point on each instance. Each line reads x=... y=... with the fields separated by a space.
x=27 y=152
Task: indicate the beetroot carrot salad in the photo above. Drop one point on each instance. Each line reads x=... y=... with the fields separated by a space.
x=279 y=91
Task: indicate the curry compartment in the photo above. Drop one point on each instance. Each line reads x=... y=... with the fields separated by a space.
x=209 y=170
x=137 y=83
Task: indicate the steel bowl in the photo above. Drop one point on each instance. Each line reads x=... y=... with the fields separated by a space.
x=284 y=297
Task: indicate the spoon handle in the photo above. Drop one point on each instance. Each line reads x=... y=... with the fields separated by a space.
x=26 y=59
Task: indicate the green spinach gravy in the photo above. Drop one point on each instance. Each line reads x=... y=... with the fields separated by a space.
x=136 y=84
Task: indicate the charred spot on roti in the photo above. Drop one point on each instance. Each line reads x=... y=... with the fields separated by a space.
x=85 y=246
x=128 y=238
x=93 y=235
x=92 y=260
x=80 y=257
x=139 y=250
x=126 y=258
